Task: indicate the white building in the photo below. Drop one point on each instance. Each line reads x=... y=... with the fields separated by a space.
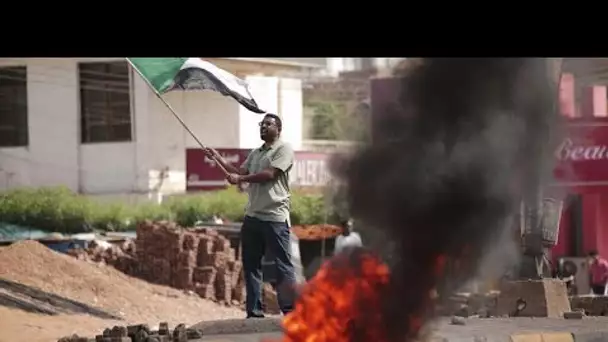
x=333 y=66
x=94 y=125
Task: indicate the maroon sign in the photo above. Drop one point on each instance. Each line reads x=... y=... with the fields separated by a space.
x=582 y=156
x=202 y=173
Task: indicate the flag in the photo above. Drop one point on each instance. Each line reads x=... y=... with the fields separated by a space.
x=168 y=74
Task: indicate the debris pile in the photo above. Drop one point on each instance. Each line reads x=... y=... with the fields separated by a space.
x=590 y=305
x=466 y=304
x=86 y=286
x=121 y=257
x=197 y=260
x=142 y=333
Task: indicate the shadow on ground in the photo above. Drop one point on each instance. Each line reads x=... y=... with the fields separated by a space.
x=30 y=299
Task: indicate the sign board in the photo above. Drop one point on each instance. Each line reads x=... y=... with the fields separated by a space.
x=582 y=156
x=310 y=169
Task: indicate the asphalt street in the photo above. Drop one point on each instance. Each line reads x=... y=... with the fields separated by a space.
x=498 y=329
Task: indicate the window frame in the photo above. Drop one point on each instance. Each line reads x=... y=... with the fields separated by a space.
x=110 y=121
x=18 y=125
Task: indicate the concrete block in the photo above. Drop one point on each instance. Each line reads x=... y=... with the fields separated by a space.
x=573 y=315
x=557 y=337
x=592 y=336
x=119 y=331
x=533 y=298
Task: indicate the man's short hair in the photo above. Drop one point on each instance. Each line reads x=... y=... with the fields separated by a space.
x=277 y=119
x=593 y=253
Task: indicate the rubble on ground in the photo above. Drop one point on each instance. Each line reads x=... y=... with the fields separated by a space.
x=466 y=304
x=141 y=333
x=590 y=305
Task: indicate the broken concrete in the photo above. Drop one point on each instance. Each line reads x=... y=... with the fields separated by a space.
x=533 y=298
x=590 y=305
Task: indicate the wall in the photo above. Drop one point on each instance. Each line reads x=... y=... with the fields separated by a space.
x=155 y=159
x=51 y=157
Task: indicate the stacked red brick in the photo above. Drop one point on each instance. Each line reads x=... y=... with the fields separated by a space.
x=197 y=260
x=122 y=257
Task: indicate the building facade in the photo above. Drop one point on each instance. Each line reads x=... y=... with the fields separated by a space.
x=94 y=125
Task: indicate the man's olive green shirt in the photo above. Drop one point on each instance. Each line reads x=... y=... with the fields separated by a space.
x=270 y=201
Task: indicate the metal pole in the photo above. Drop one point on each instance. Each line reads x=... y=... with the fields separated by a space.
x=533 y=262
x=175 y=114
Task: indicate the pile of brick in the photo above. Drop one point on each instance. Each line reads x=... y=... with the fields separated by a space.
x=121 y=257
x=197 y=260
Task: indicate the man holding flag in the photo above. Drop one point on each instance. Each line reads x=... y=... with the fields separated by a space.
x=266 y=223
x=266 y=170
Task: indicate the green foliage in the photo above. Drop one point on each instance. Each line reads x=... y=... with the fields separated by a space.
x=58 y=209
x=308 y=209
x=187 y=210
x=327 y=120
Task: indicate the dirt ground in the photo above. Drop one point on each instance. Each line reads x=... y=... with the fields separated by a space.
x=102 y=287
x=17 y=325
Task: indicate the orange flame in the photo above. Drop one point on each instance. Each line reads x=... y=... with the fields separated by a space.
x=342 y=294
x=343 y=302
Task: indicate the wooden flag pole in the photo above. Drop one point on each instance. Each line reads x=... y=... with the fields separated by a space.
x=176 y=115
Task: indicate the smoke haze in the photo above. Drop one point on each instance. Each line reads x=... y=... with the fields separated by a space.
x=444 y=173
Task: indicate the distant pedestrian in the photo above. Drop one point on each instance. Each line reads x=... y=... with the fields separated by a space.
x=348 y=238
x=598 y=270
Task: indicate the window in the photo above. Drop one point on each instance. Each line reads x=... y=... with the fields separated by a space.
x=13 y=107
x=105 y=102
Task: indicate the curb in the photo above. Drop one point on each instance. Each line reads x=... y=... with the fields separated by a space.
x=595 y=336
x=272 y=325
x=544 y=337
x=549 y=336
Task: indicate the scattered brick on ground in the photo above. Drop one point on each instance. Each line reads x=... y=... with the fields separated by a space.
x=140 y=333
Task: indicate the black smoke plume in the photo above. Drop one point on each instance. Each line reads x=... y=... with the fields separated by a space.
x=445 y=172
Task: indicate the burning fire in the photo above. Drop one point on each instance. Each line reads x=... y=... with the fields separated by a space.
x=344 y=302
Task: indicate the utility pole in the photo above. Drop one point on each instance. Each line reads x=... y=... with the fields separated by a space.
x=540 y=215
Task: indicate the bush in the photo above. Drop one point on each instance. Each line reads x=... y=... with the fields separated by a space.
x=58 y=209
x=189 y=209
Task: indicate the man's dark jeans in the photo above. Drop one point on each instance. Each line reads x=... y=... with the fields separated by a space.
x=257 y=237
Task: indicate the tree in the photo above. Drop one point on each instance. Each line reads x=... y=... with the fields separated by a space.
x=332 y=121
x=326 y=119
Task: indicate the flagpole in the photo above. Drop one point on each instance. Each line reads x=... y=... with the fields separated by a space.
x=175 y=114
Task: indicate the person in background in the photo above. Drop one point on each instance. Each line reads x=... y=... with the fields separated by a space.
x=598 y=269
x=565 y=271
x=267 y=222
x=348 y=238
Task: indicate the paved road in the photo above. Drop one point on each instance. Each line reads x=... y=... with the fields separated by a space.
x=499 y=329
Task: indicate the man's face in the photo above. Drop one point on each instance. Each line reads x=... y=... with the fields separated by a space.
x=268 y=128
